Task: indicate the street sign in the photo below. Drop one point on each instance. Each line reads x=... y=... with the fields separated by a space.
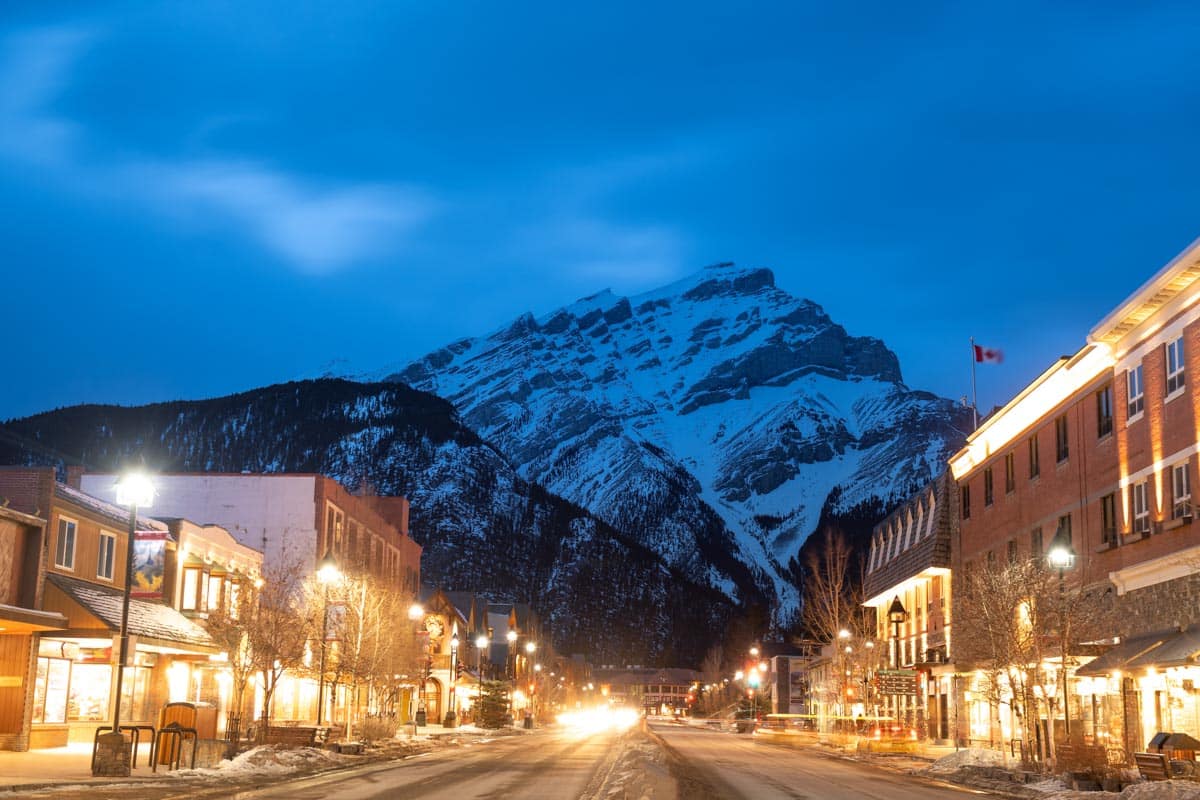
x=897 y=681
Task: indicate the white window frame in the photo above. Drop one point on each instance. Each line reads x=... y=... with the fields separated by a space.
x=64 y=558
x=192 y=588
x=1176 y=373
x=108 y=547
x=1140 y=503
x=1181 y=491
x=1135 y=393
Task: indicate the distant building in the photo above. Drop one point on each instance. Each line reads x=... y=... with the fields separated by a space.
x=653 y=690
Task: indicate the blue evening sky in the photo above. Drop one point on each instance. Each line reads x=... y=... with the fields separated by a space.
x=205 y=197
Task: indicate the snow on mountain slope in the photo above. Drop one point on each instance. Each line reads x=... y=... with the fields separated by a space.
x=711 y=419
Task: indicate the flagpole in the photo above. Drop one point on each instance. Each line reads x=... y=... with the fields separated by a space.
x=974 y=397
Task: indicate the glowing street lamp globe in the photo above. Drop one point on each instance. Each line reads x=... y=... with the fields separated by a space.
x=135 y=489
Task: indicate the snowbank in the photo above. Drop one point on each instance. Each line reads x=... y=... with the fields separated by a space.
x=272 y=760
x=972 y=757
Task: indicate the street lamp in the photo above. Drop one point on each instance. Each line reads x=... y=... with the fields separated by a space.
x=897 y=615
x=327 y=573
x=451 y=720
x=1061 y=556
x=481 y=642
x=510 y=667
x=133 y=490
x=416 y=613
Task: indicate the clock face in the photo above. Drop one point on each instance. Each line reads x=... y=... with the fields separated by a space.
x=434 y=626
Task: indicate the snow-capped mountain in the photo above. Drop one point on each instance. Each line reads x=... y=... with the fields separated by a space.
x=715 y=419
x=482 y=526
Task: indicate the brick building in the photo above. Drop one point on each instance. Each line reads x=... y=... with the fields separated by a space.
x=293 y=519
x=1100 y=451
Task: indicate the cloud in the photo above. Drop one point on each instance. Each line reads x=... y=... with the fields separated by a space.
x=316 y=227
x=318 y=230
x=33 y=71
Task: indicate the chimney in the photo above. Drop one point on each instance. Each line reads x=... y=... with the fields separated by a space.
x=75 y=475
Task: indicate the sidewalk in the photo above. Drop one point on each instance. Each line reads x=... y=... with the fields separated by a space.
x=73 y=763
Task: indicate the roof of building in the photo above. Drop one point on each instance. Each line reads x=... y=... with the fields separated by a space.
x=146 y=618
x=108 y=510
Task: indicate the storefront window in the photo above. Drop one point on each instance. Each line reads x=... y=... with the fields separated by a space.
x=50 y=690
x=88 y=696
x=135 y=693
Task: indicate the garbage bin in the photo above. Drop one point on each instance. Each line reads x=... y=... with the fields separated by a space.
x=528 y=720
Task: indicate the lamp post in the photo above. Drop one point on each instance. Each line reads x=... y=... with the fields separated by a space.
x=481 y=642
x=510 y=667
x=530 y=649
x=1061 y=556
x=327 y=573
x=897 y=615
x=133 y=490
x=451 y=720
x=416 y=613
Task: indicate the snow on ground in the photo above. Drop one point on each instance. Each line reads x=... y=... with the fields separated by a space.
x=272 y=760
x=1160 y=790
x=971 y=757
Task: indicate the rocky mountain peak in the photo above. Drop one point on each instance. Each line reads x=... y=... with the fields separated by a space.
x=715 y=418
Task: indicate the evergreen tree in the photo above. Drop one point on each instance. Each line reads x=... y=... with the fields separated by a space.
x=493 y=706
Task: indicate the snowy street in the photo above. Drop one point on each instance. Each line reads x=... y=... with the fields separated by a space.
x=714 y=765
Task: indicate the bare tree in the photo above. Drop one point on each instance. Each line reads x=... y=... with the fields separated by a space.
x=832 y=599
x=229 y=627
x=1018 y=623
x=276 y=630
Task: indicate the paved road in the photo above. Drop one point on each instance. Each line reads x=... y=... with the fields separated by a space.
x=549 y=765
x=713 y=764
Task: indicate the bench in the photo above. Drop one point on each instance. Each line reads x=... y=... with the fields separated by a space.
x=1153 y=766
x=1157 y=767
x=303 y=735
x=290 y=735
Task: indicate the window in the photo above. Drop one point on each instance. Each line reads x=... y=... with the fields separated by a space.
x=988 y=494
x=1140 y=504
x=1175 y=366
x=1108 y=519
x=1136 y=391
x=1010 y=472
x=1061 y=446
x=1181 y=492
x=1035 y=542
x=1012 y=551
x=195 y=590
x=104 y=561
x=1104 y=412
x=965 y=492
x=1034 y=461
x=64 y=552
x=1064 y=527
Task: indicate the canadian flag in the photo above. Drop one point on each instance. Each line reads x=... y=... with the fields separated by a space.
x=986 y=355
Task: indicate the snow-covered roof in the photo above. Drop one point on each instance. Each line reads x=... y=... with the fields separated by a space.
x=146 y=618
x=108 y=510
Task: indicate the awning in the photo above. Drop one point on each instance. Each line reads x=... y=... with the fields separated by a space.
x=152 y=622
x=1178 y=650
x=1120 y=655
x=14 y=619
